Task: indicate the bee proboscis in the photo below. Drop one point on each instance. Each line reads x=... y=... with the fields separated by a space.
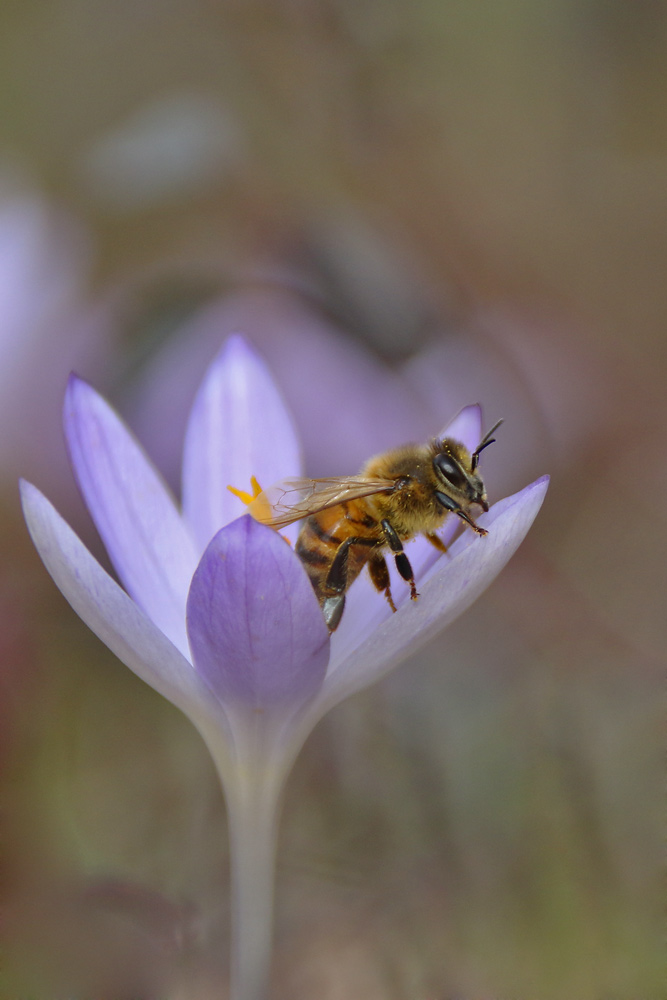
x=351 y=522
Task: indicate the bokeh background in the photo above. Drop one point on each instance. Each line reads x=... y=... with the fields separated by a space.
x=409 y=206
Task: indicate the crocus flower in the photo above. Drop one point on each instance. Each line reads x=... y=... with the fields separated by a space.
x=217 y=613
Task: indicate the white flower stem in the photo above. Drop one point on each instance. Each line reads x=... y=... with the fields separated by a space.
x=253 y=818
x=253 y=758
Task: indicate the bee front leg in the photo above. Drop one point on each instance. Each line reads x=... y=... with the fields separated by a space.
x=457 y=509
x=379 y=574
x=402 y=562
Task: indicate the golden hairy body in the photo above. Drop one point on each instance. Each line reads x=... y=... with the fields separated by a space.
x=352 y=522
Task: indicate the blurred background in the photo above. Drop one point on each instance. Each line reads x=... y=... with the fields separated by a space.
x=409 y=207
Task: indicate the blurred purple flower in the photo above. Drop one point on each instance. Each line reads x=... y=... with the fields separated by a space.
x=318 y=367
x=218 y=614
x=44 y=262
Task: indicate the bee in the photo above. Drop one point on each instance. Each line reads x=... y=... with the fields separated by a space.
x=353 y=522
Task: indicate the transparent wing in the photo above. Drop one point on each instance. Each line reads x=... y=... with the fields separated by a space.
x=291 y=499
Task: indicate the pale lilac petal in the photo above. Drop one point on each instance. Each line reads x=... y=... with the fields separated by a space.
x=106 y=608
x=466 y=427
x=144 y=534
x=467 y=537
x=451 y=588
x=238 y=428
x=365 y=610
x=256 y=631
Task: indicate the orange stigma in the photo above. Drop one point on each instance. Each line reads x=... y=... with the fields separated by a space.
x=249 y=498
x=243 y=495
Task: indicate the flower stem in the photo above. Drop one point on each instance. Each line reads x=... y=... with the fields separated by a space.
x=253 y=776
x=253 y=818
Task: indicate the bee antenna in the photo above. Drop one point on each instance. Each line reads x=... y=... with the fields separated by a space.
x=484 y=443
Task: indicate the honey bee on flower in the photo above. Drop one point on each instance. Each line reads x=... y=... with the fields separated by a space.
x=352 y=522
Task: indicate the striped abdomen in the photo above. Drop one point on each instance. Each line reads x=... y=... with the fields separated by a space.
x=322 y=535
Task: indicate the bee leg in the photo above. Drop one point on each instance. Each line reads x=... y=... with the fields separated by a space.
x=334 y=604
x=468 y=520
x=436 y=542
x=337 y=575
x=332 y=609
x=379 y=574
x=402 y=562
x=457 y=509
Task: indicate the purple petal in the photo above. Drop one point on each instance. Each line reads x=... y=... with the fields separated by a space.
x=451 y=588
x=238 y=428
x=365 y=610
x=466 y=427
x=256 y=630
x=137 y=519
x=106 y=608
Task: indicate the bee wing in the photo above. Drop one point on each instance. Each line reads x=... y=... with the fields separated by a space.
x=291 y=499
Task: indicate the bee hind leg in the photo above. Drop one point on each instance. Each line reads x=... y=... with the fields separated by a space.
x=332 y=609
x=402 y=562
x=379 y=574
x=336 y=582
x=337 y=575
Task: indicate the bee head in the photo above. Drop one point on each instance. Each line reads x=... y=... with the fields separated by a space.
x=463 y=486
x=456 y=469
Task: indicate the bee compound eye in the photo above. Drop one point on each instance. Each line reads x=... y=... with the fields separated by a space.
x=449 y=470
